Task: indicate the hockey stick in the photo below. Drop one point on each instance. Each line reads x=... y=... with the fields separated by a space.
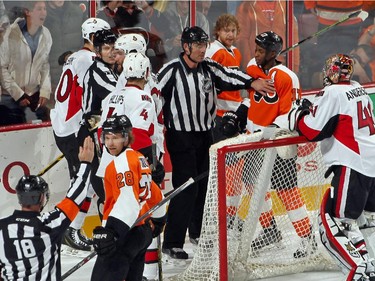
x=361 y=14
x=167 y=198
x=50 y=165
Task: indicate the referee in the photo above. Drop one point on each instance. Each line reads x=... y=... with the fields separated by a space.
x=188 y=85
x=31 y=241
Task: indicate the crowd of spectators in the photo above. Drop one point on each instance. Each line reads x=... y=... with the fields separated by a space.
x=163 y=22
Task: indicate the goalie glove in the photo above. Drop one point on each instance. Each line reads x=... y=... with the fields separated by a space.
x=104 y=241
x=296 y=113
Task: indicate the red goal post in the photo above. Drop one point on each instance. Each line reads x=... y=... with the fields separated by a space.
x=239 y=182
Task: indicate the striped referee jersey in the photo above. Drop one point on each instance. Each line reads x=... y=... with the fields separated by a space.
x=31 y=241
x=190 y=94
x=99 y=81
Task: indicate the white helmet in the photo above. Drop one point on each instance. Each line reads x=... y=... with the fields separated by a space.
x=136 y=65
x=92 y=25
x=131 y=42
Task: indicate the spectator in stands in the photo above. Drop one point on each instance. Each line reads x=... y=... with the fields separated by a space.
x=108 y=11
x=4 y=20
x=64 y=20
x=345 y=36
x=362 y=56
x=177 y=14
x=256 y=17
x=25 y=71
x=222 y=50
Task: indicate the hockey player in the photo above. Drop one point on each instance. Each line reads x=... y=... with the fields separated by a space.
x=130 y=192
x=139 y=106
x=341 y=117
x=67 y=114
x=272 y=110
x=223 y=51
x=31 y=241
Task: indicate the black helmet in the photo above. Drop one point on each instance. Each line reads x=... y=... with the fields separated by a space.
x=30 y=188
x=269 y=41
x=117 y=124
x=104 y=36
x=194 y=34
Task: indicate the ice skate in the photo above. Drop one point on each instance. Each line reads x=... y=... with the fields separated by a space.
x=76 y=240
x=308 y=246
x=175 y=256
x=269 y=236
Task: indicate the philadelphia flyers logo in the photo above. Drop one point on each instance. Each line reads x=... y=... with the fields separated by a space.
x=270 y=98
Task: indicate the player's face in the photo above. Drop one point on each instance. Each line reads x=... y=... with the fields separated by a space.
x=262 y=57
x=119 y=56
x=38 y=14
x=114 y=143
x=197 y=51
x=107 y=55
x=227 y=35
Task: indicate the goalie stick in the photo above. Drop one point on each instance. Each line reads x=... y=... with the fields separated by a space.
x=361 y=14
x=169 y=196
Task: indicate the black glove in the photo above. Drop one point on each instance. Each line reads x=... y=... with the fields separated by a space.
x=159 y=224
x=230 y=124
x=158 y=173
x=104 y=241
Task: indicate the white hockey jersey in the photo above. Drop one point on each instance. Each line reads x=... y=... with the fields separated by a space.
x=67 y=114
x=140 y=108
x=342 y=117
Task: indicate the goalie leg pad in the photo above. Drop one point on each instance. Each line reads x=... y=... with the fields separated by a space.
x=367 y=227
x=337 y=243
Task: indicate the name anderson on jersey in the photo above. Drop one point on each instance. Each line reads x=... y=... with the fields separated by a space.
x=356 y=93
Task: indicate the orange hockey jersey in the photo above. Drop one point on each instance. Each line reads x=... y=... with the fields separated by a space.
x=129 y=190
x=274 y=107
x=226 y=100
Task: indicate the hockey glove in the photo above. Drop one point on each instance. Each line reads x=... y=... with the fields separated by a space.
x=158 y=173
x=104 y=241
x=230 y=124
x=157 y=225
x=296 y=113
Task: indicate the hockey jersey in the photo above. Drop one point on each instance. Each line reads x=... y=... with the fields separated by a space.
x=67 y=113
x=130 y=192
x=274 y=107
x=226 y=100
x=139 y=106
x=342 y=118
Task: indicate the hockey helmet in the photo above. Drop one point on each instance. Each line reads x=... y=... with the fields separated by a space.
x=103 y=37
x=194 y=34
x=269 y=41
x=337 y=68
x=136 y=65
x=30 y=189
x=131 y=42
x=92 y=25
x=116 y=124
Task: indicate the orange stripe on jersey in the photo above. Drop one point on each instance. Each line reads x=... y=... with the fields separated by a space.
x=69 y=208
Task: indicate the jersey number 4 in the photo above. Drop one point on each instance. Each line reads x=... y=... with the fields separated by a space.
x=365 y=118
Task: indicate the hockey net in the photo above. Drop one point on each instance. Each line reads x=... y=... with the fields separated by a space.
x=239 y=182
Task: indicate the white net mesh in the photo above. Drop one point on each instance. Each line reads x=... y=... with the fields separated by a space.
x=263 y=237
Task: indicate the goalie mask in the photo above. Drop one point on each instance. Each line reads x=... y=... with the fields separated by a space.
x=116 y=124
x=337 y=68
x=136 y=65
x=131 y=42
x=92 y=25
x=30 y=190
x=269 y=41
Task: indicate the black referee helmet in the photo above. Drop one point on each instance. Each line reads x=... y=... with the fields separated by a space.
x=193 y=34
x=104 y=36
x=30 y=189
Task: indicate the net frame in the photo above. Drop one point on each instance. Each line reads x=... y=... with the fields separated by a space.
x=211 y=260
